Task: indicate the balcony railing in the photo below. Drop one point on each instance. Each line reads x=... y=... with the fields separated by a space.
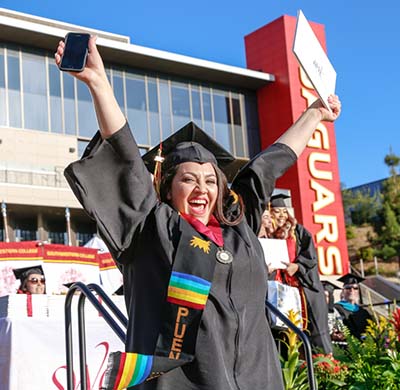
x=39 y=178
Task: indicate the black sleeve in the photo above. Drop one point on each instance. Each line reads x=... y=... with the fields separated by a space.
x=114 y=187
x=256 y=180
x=306 y=258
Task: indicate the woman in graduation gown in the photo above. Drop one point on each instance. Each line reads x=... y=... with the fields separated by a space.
x=302 y=272
x=163 y=246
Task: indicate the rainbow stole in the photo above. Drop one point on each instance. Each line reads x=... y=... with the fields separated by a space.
x=186 y=297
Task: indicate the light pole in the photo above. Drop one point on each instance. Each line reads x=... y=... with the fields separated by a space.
x=68 y=220
x=4 y=214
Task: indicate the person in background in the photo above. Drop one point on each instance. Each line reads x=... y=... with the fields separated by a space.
x=302 y=272
x=354 y=317
x=194 y=276
x=335 y=322
x=32 y=280
x=267 y=225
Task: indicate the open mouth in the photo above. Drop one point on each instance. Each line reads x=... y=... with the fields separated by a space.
x=198 y=206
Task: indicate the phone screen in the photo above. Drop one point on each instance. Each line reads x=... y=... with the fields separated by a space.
x=75 y=52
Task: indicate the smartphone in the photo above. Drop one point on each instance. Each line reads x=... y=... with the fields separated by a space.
x=75 y=52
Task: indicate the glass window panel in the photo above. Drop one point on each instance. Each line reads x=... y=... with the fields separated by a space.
x=25 y=235
x=55 y=98
x=153 y=111
x=84 y=231
x=86 y=114
x=69 y=104
x=237 y=128
x=3 y=111
x=58 y=238
x=81 y=147
x=14 y=89
x=137 y=108
x=237 y=120
x=222 y=119
x=35 y=91
x=252 y=127
x=118 y=87
x=180 y=105
x=165 y=109
x=207 y=113
x=196 y=105
x=25 y=229
x=57 y=231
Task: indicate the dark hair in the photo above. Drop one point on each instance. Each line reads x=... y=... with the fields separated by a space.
x=225 y=199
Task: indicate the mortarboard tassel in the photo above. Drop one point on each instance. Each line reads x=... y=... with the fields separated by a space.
x=157 y=171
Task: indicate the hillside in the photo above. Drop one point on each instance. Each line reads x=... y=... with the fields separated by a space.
x=361 y=238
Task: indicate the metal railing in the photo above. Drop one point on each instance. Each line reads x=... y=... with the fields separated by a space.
x=303 y=337
x=86 y=292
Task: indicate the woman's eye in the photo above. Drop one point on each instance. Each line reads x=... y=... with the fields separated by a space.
x=188 y=180
x=211 y=182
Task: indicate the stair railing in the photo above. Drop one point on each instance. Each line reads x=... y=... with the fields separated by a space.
x=107 y=303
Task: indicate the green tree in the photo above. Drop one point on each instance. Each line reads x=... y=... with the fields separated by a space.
x=360 y=207
x=387 y=226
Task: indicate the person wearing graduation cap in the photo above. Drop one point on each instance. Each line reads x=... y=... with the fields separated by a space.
x=32 y=280
x=302 y=272
x=193 y=268
x=354 y=317
x=335 y=322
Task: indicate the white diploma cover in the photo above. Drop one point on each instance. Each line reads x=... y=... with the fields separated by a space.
x=314 y=60
x=276 y=253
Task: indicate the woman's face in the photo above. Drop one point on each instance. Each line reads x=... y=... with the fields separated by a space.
x=280 y=215
x=35 y=284
x=194 y=190
x=267 y=221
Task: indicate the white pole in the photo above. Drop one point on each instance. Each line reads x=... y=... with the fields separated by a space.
x=376 y=265
x=4 y=214
x=68 y=219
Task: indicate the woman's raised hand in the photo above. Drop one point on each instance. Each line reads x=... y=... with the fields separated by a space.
x=94 y=70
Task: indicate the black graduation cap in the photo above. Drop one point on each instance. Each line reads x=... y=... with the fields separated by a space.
x=329 y=286
x=23 y=273
x=351 y=279
x=192 y=144
x=278 y=200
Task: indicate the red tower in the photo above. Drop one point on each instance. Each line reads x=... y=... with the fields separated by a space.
x=314 y=181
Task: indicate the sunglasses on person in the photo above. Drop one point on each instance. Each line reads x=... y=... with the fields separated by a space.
x=351 y=288
x=37 y=280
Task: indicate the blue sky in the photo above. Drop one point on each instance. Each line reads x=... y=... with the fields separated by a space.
x=363 y=42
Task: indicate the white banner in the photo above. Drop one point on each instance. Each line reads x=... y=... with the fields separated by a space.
x=32 y=353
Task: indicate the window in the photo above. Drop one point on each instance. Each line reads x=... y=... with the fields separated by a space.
x=14 y=89
x=69 y=104
x=86 y=115
x=3 y=106
x=25 y=229
x=222 y=120
x=56 y=122
x=35 y=91
x=196 y=105
x=155 y=136
x=118 y=88
x=180 y=105
x=137 y=107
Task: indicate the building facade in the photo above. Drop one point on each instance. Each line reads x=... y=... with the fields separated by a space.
x=47 y=119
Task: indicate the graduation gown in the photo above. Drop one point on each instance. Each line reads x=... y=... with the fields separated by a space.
x=356 y=321
x=234 y=348
x=317 y=308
